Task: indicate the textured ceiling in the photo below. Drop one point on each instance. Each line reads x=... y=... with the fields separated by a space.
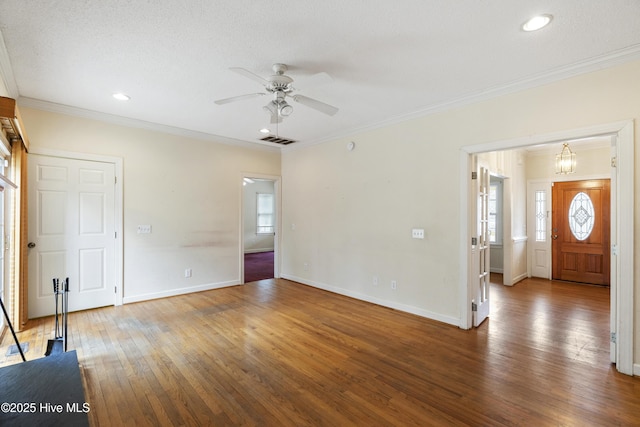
x=389 y=60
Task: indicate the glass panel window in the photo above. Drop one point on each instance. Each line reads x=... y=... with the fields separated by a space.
x=495 y=212
x=581 y=216
x=541 y=216
x=265 y=214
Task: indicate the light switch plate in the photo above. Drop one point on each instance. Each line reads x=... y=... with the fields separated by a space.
x=144 y=229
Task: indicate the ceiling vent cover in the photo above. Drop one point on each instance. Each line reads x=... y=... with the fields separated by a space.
x=278 y=140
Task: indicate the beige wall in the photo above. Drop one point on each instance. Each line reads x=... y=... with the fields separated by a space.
x=188 y=190
x=347 y=215
x=353 y=210
x=589 y=162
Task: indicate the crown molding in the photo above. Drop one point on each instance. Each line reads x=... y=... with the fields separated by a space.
x=141 y=124
x=6 y=71
x=597 y=63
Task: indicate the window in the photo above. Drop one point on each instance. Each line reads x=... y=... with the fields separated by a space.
x=581 y=216
x=495 y=212
x=264 y=214
x=541 y=216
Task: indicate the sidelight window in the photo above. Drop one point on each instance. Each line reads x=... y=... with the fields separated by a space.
x=541 y=216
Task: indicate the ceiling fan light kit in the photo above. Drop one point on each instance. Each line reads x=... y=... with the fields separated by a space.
x=281 y=86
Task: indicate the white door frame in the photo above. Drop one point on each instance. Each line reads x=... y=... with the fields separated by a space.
x=622 y=238
x=118 y=207
x=277 y=190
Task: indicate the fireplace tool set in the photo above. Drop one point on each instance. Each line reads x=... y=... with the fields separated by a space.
x=61 y=294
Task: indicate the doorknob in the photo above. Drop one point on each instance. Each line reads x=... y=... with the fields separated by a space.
x=31 y=245
x=554 y=237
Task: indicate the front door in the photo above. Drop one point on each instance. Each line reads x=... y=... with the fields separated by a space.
x=71 y=232
x=581 y=231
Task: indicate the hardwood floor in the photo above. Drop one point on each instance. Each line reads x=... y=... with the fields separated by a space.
x=277 y=353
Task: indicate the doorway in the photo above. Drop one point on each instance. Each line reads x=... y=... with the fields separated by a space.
x=81 y=197
x=72 y=228
x=622 y=197
x=581 y=231
x=260 y=227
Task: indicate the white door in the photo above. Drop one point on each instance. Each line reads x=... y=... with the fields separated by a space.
x=538 y=223
x=480 y=252
x=71 y=232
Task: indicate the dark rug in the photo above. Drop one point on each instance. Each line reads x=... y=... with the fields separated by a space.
x=258 y=266
x=44 y=392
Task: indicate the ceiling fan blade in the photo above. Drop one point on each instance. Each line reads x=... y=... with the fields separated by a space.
x=315 y=104
x=249 y=74
x=237 y=98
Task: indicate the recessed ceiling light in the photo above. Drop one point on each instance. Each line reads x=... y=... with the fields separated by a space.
x=264 y=130
x=121 y=96
x=537 y=22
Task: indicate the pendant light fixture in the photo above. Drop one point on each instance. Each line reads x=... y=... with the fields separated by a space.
x=565 y=161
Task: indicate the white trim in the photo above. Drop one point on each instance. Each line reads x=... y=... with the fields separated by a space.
x=118 y=206
x=141 y=124
x=636 y=369
x=590 y=65
x=277 y=237
x=368 y=298
x=259 y=250
x=624 y=233
x=465 y=241
x=181 y=291
x=6 y=71
x=625 y=240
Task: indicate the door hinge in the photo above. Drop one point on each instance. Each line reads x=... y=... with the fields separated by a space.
x=474 y=175
x=115 y=179
x=115 y=234
x=614 y=162
x=614 y=337
x=474 y=306
x=115 y=289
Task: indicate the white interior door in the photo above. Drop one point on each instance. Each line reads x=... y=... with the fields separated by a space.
x=71 y=232
x=480 y=246
x=538 y=223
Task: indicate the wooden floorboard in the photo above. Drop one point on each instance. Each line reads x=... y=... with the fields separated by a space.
x=278 y=353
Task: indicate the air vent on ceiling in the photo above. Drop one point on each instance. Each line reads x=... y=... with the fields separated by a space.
x=277 y=140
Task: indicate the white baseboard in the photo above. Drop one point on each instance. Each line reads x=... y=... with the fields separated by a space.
x=254 y=251
x=179 y=291
x=636 y=369
x=519 y=278
x=385 y=303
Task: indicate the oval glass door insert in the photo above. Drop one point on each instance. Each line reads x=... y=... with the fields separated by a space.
x=581 y=216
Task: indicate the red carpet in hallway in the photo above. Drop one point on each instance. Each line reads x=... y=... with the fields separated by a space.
x=258 y=266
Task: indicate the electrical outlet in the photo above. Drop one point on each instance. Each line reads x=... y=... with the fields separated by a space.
x=187 y=273
x=394 y=285
x=417 y=233
x=375 y=280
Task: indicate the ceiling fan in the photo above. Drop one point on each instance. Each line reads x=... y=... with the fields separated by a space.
x=280 y=86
